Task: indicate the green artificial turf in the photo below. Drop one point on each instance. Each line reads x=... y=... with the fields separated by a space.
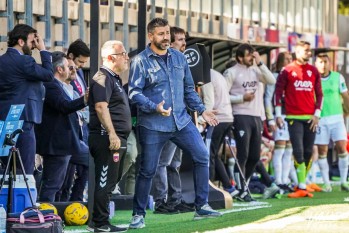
x=184 y=222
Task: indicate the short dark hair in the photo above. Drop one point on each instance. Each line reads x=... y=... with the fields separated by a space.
x=280 y=61
x=156 y=22
x=20 y=31
x=57 y=59
x=174 y=31
x=322 y=55
x=78 y=48
x=240 y=51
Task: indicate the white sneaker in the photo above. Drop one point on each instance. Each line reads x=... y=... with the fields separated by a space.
x=137 y=222
x=327 y=188
x=271 y=191
x=206 y=212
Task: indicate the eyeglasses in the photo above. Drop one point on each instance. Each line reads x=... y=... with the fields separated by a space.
x=71 y=68
x=120 y=54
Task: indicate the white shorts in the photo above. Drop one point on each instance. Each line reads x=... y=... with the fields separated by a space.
x=282 y=134
x=335 y=131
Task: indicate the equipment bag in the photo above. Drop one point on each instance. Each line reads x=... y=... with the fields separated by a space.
x=33 y=220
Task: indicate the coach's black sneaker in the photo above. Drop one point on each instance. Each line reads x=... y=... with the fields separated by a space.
x=244 y=196
x=285 y=188
x=110 y=228
x=183 y=207
x=163 y=208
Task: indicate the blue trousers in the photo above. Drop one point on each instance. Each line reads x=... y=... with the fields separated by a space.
x=167 y=182
x=189 y=140
x=26 y=143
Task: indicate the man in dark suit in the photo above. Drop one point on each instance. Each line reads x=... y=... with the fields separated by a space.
x=59 y=133
x=21 y=83
x=79 y=53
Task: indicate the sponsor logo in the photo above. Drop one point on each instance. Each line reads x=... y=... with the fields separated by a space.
x=242 y=133
x=193 y=57
x=309 y=73
x=249 y=84
x=303 y=85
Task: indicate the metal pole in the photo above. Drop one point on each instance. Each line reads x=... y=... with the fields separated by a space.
x=277 y=15
x=125 y=27
x=81 y=20
x=152 y=14
x=29 y=12
x=47 y=24
x=142 y=18
x=65 y=24
x=221 y=22
x=269 y=4
x=189 y=17
x=260 y=13
x=251 y=12
x=285 y=14
x=200 y=18
x=210 y=27
x=242 y=19
x=177 y=12
x=294 y=16
x=11 y=18
x=111 y=21
x=94 y=46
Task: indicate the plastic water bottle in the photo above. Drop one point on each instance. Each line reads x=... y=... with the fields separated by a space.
x=2 y=219
x=111 y=209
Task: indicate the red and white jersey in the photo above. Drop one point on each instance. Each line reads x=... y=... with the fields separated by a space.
x=301 y=85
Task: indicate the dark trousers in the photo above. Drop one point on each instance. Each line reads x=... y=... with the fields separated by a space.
x=67 y=184
x=54 y=171
x=74 y=183
x=217 y=168
x=265 y=177
x=166 y=186
x=302 y=139
x=26 y=143
x=77 y=193
x=107 y=174
x=247 y=133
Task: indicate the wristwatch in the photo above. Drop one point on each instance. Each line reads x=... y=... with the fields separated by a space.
x=260 y=63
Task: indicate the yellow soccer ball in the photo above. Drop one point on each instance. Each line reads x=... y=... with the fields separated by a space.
x=76 y=214
x=48 y=206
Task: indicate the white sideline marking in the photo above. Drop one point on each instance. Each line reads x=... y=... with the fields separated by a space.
x=246 y=208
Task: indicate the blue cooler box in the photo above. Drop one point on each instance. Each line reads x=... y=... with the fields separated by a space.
x=20 y=199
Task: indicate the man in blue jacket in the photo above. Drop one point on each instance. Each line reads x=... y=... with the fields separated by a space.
x=161 y=85
x=21 y=83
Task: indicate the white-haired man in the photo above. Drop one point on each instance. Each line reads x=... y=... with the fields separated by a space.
x=110 y=125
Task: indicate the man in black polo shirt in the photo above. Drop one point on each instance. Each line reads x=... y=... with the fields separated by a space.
x=110 y=125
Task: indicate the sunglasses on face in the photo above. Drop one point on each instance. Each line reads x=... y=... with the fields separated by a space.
x=71 y=68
